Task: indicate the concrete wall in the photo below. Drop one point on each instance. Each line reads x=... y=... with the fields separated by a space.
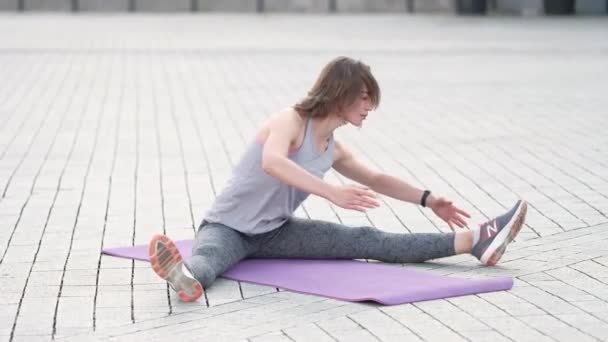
x=590 y=7
x=226 y=5
x=48 y=5
x=163 y=5
x=371 y=6
x=447 y=6
x=296 y=6
x=169 y=6
x=520 y=7
x=103 y=5
x=8 y=5
x=536 y=7
x=516 y=7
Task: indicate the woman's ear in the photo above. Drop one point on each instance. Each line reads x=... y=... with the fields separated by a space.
x=340 y=111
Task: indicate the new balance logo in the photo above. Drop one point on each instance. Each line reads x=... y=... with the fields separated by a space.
x=491 y=227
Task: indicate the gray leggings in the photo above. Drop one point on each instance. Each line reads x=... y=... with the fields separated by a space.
x=218 y=247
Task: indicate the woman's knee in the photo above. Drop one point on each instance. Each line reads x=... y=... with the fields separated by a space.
x=201 y=270
x=207 y=250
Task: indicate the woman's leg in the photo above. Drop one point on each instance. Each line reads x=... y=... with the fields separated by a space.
x=301 y=238
x=216 y=249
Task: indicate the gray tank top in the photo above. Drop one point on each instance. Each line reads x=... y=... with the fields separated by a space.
x=254 y=202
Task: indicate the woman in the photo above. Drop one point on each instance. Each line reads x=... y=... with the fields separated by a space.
x=252 y=216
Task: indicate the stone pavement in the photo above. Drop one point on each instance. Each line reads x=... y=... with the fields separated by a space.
x=116 y=127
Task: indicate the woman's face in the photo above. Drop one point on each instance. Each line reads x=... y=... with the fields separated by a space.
x=357 y=112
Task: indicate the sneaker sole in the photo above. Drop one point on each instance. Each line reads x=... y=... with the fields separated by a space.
x=518 y=222
x=166 y=261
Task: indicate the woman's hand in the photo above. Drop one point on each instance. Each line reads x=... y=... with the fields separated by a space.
x=448 y=212
x=354 y=197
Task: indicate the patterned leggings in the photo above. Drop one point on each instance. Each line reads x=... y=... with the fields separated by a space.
x=218 y=247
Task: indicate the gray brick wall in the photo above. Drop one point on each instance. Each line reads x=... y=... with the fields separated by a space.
x=104 y=5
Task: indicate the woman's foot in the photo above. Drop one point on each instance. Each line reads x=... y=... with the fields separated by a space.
x=491 y=239
x=167 y=263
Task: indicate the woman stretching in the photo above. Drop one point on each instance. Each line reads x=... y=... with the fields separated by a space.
x=252 y=216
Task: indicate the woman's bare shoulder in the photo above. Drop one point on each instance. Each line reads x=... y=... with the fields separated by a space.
x=287 y=115
x=285 y=120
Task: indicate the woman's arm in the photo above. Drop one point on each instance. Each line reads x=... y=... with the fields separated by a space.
x=394 y=187
x=388 y=185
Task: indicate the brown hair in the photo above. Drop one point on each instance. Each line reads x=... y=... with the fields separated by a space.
x=337 y=87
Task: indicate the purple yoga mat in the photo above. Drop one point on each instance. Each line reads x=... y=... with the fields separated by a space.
x=349 y=280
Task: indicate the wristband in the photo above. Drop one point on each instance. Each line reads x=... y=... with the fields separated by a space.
x=425 y=194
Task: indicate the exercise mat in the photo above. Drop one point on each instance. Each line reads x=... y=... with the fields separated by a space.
x=348 y=280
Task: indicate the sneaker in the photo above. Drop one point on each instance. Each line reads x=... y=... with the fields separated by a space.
x=492 y=237
x=167 y=263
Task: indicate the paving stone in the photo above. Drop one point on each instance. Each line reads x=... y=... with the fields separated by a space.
x=307 y=332
x=484 y=335
x=344 y=328
x=32 y=337
x=516 y=329
x=383 y=326
x=551 y=326
x=276 y=336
